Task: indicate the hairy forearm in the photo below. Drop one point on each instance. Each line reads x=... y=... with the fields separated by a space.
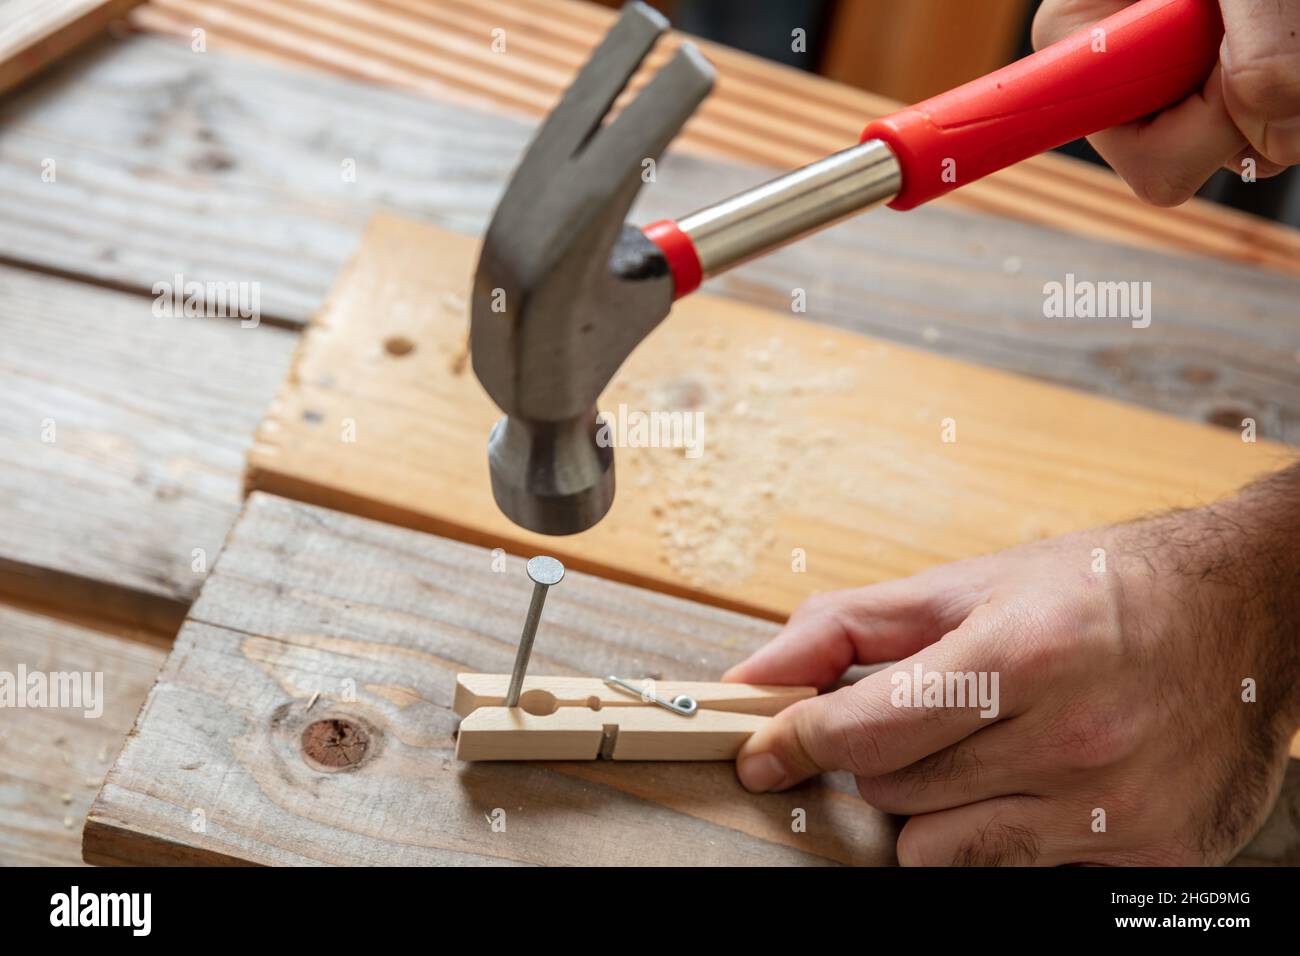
x=1236 y=562
x=1267 y=515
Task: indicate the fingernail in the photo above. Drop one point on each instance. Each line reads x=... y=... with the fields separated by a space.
x=761 y=772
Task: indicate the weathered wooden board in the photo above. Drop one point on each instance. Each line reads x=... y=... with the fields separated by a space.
x=37 y=32
x=122 y=436
x=308 y=604
x=227 y=168
x=307 y=601
x=817 y=445
x=53 y=760
x=760 y=112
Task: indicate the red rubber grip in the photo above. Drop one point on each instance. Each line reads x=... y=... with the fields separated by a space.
x=1156 y=53
x=683 y=260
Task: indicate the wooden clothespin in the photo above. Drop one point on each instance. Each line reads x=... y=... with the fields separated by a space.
x=583 y=718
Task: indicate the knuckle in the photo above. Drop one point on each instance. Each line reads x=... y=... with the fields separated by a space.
x=1093 y=739
x=999 y=844
x=851 y=734
x=1030 y=644
x=1048 y=26
x=1266 y=87
x=817 y=603
x=1163 y=187
x=824 y=604
x=887 y=794
x=877 y=791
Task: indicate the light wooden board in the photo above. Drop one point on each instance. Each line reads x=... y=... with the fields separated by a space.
x=582 y=718
x=541 y=694
x=122 y=435
x=760 y=112
x=195 y=150
x=53 y=760
x=816 y=443
x=34 y=33
x=306 y=601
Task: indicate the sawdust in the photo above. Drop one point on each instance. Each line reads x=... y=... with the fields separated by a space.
x=717 y=515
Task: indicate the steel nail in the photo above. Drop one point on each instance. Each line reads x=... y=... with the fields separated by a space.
x=544 y=572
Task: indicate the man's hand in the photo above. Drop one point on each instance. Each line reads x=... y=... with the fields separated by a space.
x=1120 y=677
x=1249 y=108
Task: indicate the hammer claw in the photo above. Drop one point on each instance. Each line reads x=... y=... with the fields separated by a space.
x=648 y=124
x=588 y=100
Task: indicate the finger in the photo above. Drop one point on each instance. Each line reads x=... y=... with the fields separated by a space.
x=1057 y=19
x=830 y=632
x=1264 y=168
x=993 y=762
x=1261 y=78
x=1167 y=158
x=1008 y=831
x=870 y=728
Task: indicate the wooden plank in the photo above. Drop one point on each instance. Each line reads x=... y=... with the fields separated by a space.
x=761 y=112
x=146 y=132
x=121 y=437
x=37 y=32
x=820 y=449
x=310 y=604
x=914 y=50
x=189 y=156
x=306 y=601
x=53 y=759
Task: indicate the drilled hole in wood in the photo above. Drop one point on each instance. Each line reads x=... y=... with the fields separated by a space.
x=336 y=743
x=593 y=702
x=539 y=703
x=398 y=345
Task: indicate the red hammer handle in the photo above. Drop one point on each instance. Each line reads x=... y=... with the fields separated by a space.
x=1139 y=61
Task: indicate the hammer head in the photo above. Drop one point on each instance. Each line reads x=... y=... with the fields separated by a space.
x=564 y=290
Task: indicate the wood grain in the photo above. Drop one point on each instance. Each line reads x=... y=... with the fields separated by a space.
x=760 y=113
x=53 y=760
x=818 y=446
x=914 y=50
x=307 y=601
x=121 y=438
x=308 y=604
x=580 y=733
x=37 y=32
x=146 y=132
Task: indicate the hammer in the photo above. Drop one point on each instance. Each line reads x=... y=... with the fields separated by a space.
x=564 y=290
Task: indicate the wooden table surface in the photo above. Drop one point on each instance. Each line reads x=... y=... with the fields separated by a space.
x=224 y=165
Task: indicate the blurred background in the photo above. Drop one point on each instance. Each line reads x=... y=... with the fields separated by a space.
x=909 y=51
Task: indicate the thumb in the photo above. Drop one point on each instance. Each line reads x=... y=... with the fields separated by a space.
x=801 y=742
x=866 y=729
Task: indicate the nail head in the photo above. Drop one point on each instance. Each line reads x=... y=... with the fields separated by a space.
x=545 y=570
